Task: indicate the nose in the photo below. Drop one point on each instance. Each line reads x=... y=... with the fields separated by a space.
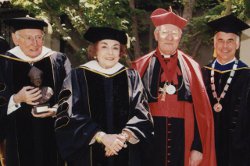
x=225 y=45
x=169 y=36
x=34 y=41
x=110 y=51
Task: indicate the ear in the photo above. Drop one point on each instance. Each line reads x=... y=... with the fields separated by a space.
x=15 y=39
x=214 y=40
x=156 y=35
x=237 y=44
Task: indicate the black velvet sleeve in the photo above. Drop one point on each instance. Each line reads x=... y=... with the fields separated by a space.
x=140 y=121
x=74 y=127
x=4 y=96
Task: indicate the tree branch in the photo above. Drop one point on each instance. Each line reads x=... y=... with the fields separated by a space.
x=56 y=20
x=136 y=44
x=196 y=48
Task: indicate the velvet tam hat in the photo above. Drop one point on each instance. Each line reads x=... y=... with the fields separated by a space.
x=95 y=34
x=228 y=24
x=161 y=16
x=25 y=23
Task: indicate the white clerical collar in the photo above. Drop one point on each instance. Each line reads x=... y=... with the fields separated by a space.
x=227 y=62
x=167 y=55
x=94 y=65
x=20 y=54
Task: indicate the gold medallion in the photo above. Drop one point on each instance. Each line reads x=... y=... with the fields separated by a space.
x=217 y=107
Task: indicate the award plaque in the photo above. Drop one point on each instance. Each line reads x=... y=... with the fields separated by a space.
x=36 y=79
x=41 y=109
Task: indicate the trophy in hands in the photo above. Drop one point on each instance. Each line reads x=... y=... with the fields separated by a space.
x=36 y=78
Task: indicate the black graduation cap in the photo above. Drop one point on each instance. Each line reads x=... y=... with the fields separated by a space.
x=94 y=34
x=228 y=24
x=26 y=23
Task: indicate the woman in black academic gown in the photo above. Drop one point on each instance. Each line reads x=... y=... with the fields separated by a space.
x=103 y=117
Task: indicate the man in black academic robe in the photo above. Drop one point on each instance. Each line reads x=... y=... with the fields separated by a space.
x=30 y=139
x=227 y=81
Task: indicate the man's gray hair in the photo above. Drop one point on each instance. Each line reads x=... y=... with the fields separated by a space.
x=158 y=28
x=237 y=38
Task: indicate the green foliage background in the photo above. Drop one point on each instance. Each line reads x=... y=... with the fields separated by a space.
x=80 y=14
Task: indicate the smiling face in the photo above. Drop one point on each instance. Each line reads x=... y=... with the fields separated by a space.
x=225 y=45
x=168 y=37
x=108 y=53
x=30 y=41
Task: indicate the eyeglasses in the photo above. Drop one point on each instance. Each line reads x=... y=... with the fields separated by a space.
x=29 y=38
x=174 y=33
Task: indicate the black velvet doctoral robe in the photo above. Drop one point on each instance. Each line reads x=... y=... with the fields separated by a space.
x=31 y=141
x=232 y=124
x=3 y=100
x=93 y=101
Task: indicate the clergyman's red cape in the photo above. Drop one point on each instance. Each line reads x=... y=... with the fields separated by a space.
x=202 y=108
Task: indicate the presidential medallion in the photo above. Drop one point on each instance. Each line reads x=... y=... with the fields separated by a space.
x=217 y=107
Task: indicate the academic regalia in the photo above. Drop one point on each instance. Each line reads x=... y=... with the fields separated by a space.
x=30 y=140
x=232 y=107
x=232 y=123
x=92 y=101
x=3 y=101
x=183 y=120
x=4 y=46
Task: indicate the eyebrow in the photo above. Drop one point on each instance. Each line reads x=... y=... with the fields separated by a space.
x=107 y=43
x=225 y=39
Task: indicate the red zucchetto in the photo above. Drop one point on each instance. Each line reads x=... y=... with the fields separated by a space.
x=161 y=16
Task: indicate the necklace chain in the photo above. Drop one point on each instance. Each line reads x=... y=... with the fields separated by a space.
x=229 y=80
x=166 y=83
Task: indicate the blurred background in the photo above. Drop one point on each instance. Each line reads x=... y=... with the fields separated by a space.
x=69 y=19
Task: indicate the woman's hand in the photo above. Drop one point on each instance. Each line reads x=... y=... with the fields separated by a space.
x=123 y=137
x=113 y=144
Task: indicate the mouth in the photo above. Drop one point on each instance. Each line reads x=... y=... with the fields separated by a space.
x=34 y=49
x=109 y=58
x=168 y=43
x=225 y=51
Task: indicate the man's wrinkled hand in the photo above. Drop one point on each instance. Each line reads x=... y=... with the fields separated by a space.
x=28 y=94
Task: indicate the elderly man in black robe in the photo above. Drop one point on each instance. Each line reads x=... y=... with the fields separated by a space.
x=30 y=139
